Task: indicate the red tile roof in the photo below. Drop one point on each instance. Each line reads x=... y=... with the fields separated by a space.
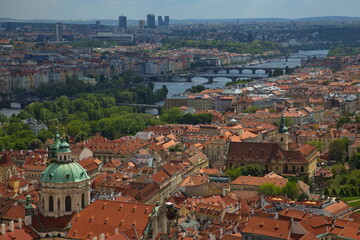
x=268 y=226
x=24 y=233
x=104 y=216
x=257 y=181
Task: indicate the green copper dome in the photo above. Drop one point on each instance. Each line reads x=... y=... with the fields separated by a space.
x=64 y=173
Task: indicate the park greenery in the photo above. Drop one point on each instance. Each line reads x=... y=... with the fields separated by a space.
x=317 y=144
x=175 y=115
x=248 y=170
x=347 y=119
x=176 y=148
x=195 y=89
x=251 y=109
x=239 y=82
x=345 y=182
x=338 y=150
x=126 y=88
x=82 y=118
x=342 y=50
x=291 y=190
x=255 y=47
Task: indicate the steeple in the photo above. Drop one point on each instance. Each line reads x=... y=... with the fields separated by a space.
x=55 y=146
x=282 y=128
x=29 y=210
x=60 y=151
x=283 y=137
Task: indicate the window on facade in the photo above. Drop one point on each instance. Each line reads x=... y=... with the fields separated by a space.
x=58 y=204
x=68 y=204
x=302 y=169
x=51 y=204
x=83 y=200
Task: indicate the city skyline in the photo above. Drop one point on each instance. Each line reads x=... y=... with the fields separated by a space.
x=210 y=9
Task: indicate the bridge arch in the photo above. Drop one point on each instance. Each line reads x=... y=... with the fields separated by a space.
x=247 y=71
x=260 y=71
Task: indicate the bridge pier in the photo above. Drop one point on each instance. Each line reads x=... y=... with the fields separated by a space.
x=233 y=79
x=188 y=78
x=254 y=71
x=210 y=79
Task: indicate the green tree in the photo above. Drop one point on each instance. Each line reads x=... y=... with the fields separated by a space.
x=74 y=127
x=289 y=122
x=195 y=89
x=342 y=192
x=251 y=109
x=171 y=115
x=3 y=118
x=343 y=120
x=252 y=170
x=337 y=150
x=248 y=170
x=35 y=144
x=234 y=173
x=270 y=189
x=339 y=169
x=302 y=197
x=291 y=190
x=176 y=148
x=334 y=192
x=81 y=136
x=317 y=144
x=44 y=135
x=354 y=161
x=327 y=192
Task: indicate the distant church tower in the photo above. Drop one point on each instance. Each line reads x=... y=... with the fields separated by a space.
x=282 y=136
x=64 y=185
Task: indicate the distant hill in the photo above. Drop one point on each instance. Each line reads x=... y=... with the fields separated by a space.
x=187 y=21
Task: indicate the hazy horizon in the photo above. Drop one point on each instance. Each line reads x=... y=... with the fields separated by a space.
x=176 y=9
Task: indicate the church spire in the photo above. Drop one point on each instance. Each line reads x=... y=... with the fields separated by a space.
x=282 y=128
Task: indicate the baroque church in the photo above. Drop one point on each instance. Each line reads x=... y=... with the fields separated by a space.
x=64 y=190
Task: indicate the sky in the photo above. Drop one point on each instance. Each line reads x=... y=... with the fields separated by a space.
x=176 y=9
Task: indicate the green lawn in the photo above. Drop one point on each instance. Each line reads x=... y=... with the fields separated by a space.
x=351 y=201
x=347 y=199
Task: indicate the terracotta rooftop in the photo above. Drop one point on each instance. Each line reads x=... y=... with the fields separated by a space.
x=104 y=216
x=257 y=181
x=268 y=226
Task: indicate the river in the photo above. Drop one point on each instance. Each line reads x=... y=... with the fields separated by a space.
x=179 y=86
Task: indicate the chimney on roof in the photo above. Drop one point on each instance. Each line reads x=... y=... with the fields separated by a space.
x=276 y=216
x=20 y=223
x=102 y=236
x=116 y=231
x=11 y=225
x=94 y=238
x=3 y=231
